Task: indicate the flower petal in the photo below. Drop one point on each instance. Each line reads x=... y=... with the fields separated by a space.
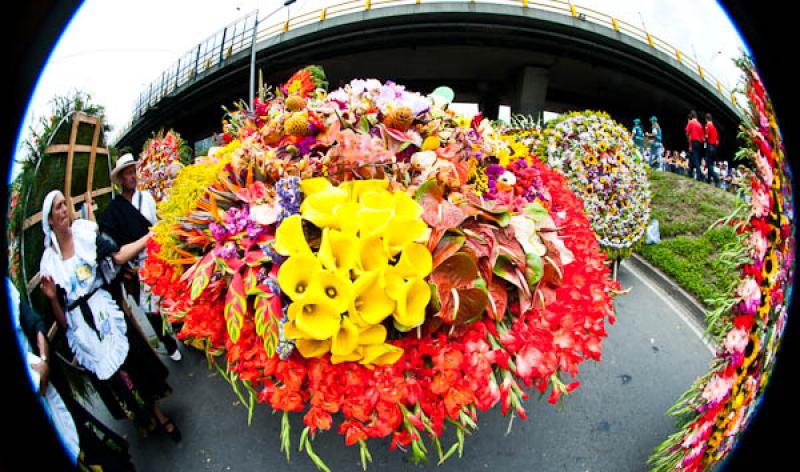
x=309 y=348
x=290 y=239
x=346 y=340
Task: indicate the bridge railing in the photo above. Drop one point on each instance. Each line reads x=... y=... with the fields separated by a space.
x=215 y=51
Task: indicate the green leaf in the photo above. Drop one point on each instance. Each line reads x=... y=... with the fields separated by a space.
x=363 y=124
x=535 y=212
x=533 y=269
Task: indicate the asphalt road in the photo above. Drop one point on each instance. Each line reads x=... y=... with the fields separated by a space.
x=611 y=423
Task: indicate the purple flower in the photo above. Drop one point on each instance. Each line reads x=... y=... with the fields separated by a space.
x=218 y=232
x=289 y=196
x=494 y=171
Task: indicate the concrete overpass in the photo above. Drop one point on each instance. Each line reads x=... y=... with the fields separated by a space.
x=530 y=59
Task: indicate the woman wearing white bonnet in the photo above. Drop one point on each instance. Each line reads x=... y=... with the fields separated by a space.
x=97 y=331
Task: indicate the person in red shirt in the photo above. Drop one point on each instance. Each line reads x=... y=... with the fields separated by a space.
x=696 y=137
x=712 y=143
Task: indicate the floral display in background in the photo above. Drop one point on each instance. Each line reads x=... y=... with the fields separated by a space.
x=748 y=326
x=605 y=171
x=161 y=158
x=369 y=253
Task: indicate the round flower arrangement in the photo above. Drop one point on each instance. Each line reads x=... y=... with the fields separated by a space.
x=162 y=157
x=605 y=170
x=366 y=253
x=748 y=325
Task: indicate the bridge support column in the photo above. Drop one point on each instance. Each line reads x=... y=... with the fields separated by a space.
x=489 y=104
x=530 y=91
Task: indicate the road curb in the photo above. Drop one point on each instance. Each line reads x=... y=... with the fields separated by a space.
x=682 y=297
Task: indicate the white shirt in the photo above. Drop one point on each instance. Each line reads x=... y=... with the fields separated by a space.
x=147 y=207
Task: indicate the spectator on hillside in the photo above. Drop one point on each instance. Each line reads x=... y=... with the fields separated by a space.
x=712 y=143
x=656 y=145
x=638 y=136
x=683 y=166
x=695 y=138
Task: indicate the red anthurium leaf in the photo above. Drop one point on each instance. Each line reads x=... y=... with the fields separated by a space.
x=508 y=271
x=510 y=246
x=235 y=307
x=457 y=271
x=498 y=291
x=471 y=304
x=447 y=245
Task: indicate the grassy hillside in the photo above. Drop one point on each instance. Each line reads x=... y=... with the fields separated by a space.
x=689 y=252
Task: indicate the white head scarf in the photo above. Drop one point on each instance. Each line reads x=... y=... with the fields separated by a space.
x=49 y=234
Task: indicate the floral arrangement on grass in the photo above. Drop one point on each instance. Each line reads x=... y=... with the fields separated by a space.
x=369 y=253
x=162 y=157
x=749 y=325
x=604 y=169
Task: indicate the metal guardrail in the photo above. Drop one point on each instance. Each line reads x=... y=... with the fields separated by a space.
x=216 y=51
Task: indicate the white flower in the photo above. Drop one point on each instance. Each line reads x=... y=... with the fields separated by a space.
x=423 y=159
x=508 y=178
x=265 y=214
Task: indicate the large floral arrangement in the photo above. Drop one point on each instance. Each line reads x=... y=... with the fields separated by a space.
x=604 y=169
x=366 y=253
x=749 y=325
x=162 y=157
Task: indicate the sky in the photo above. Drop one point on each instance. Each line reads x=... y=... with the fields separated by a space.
x=113 y=49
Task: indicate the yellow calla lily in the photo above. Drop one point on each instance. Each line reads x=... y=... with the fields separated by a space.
x=334 y=288
x=345 y=340
x=381 y=354
x=373 y=334
x=372 y=255
x=338 y=251
x=405 y=206
x=296 y=274
x=373 y=222
x=319 y=207
x=316 y=317
x=291 y=331
x=289 y=238
x=377 y=199
x=315 y=185
x=401 y=232
x=358 y=187
x=356 y=355
x=312 y=348
x=410 y=308
x=370 y=303
x=415 y=262
x=346 y=218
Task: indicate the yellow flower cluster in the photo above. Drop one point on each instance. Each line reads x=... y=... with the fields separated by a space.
x=189 y=185
x=369 y=266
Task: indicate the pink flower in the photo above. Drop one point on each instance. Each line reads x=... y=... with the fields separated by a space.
x=736 y=341
x=750 y=293
x=717 y=389
x=764 y=169
x=758 y=245
x=760 y=202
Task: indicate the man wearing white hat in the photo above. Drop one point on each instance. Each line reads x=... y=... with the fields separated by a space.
x=127 y=218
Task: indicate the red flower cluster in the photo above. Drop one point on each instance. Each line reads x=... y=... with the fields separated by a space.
x=440 y=376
